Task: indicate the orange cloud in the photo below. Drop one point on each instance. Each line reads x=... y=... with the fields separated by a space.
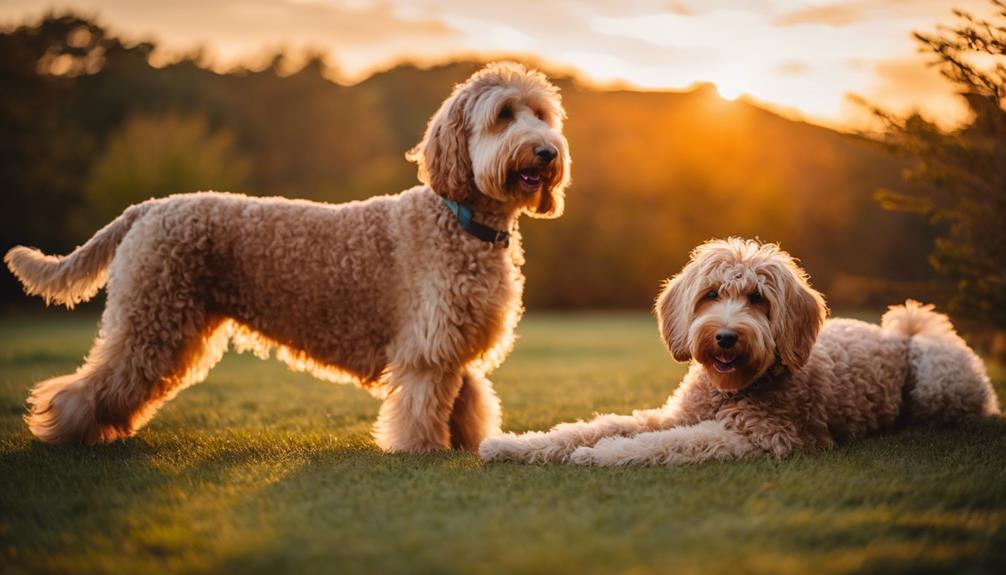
x=911 y=85
x=847 y=13
x=793 y=68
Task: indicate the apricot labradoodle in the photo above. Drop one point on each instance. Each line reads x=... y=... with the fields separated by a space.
x=414 y=295
x=769 y=375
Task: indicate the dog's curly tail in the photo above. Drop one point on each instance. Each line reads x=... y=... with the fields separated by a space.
x=914 y=318
x=75 y=278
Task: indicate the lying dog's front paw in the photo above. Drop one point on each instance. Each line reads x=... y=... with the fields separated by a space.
x=504 y=447
x=530 y=447
x=583 y=456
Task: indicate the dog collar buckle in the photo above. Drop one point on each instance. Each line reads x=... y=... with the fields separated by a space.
x=502 y=239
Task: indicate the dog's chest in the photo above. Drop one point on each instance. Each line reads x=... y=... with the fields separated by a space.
x=488 y=289
x=466 y=306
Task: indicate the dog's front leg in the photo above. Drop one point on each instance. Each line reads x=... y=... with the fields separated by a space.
x=475 y=414
x=415 y=416
x=557 y=444
x=703 y=441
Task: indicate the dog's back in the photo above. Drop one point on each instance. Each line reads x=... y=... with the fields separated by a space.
x=863 y=368
x=316 y=278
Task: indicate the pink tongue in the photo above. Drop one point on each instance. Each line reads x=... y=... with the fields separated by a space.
x=724 y=367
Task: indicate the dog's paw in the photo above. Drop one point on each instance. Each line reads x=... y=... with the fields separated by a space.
x=503 y=447
x=583 y=456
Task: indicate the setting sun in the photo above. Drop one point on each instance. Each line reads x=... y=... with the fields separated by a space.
x=727 y=91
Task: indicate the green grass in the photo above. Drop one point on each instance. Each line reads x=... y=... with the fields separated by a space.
x=261 y=470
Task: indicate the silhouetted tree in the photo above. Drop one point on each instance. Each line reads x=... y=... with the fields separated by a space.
x=44 y=152
x=160 y=156
x=964 y=170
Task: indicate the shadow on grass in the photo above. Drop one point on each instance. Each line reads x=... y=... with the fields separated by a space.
x=915 y=501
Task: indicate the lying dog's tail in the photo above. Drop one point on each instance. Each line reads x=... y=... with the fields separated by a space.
x=948 y=381
x=71 y=279
x=914 y=318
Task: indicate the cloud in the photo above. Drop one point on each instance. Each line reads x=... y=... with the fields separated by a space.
x=680 y=8
x=235 y=29
x=707 y=6
x=793 y=68
x=850 y=12
x=828 y=15
x=906 y=85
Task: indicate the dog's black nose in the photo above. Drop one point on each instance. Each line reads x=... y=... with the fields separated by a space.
x=726 y=338
x=546 y=153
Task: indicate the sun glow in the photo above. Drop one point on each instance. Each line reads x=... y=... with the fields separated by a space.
x=731 y=87
x=726 y=91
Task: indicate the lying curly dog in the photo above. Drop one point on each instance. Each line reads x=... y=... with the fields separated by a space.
x=763 y=380
x=415 y=295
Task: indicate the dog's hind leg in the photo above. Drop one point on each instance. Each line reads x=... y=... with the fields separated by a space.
x=127 y=376
x=949 y=382
x=156 y=337
x=416 y=414
x=475 y=414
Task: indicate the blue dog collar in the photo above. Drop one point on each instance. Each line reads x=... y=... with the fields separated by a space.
x=464 y=215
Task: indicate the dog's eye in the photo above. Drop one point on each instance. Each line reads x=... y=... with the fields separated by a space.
x=712 y=295
x=755 y=298
x=540 y=115
x=506 y=112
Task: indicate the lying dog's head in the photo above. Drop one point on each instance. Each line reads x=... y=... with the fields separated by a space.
x=737 y=308
x=499 y=134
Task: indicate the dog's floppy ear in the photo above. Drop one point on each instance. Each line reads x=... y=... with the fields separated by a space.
x=674 y=309
x=442 y=155
x=798 y=312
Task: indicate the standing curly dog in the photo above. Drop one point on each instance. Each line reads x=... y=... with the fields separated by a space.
x=763 y=380
x=414 y=295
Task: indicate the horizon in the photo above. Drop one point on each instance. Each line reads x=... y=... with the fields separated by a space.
x=606 y=47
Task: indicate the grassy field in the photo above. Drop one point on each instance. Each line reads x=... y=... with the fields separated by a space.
x=260 y=470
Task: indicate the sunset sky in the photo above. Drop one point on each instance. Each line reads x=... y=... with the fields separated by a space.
x=800 y=57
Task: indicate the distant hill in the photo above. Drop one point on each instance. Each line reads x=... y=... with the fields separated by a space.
x=654 y=172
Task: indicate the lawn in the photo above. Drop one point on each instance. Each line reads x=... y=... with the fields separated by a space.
x=261 y=470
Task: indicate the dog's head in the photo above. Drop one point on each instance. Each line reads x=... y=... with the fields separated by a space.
x=499 y=134
x=737 y=307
